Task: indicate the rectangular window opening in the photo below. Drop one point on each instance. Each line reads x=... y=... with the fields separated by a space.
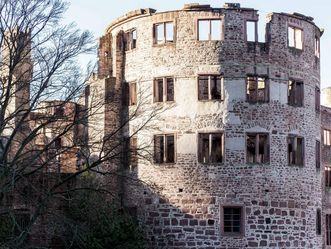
x=130 y=39
x=295 y=93
x=164 y=33
x=210 y=30
x=318 y=222
x=251 y=31
x=328 y=229
x=295 y=153
x=327 y=177
x=317 y=99
x=232 y=220
x=164 y=148
x=257 y=148
x=210 y=147
x=133 y=93
x=295 y=37
x=164 y=89
x=317 y=47
x=257 y=89
x=133 y=152
x=318 y=154
x=210 y=87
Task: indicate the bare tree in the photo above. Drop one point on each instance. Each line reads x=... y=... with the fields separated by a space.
x=49 y=126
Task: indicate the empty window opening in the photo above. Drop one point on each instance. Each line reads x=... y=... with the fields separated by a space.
x=318 y=154
x=210 y=29
x=164 y=33
x=317 y=99
x=317 y=47
x=318 y=222
x=251 y=32
x=210 y=148
x=295 y=93
x=328 y=229
x=295 y=37
x=326 y=137
x=164 y=148
x=327 y=173
x=130 y=39
x=132 y=93
x=210 y=87
x=133 y=152
x=232 y=220
x=164 y=89
x=257 y=148
x=295 y=150
x=257 y=89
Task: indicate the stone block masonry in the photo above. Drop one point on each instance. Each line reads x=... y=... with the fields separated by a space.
x=210 y=189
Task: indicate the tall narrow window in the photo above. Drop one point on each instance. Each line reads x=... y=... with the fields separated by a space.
x=133 y=93
x=210 y=87
x=164 y=89
x=318 y=154
x=295 y=153
x=210 y=30
x=210 y=147
x=257 y=89
x=164 y=148
x=251 y=31
x=164 y=33
x=257 y=148
x=318 y=222
x=317 y=47
x=133 y=152
x=232 y=220
x=295 y=93
x=317 y=99
x=328 y=229
x=295 y=37
x=130 y=39
x=326 y=137
x=327 y=176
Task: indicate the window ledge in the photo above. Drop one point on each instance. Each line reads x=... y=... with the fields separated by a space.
x=233 y=235
x=166 y=44
x=296 y=165
x=210 y=100
x=131 y=51
x=257 y=102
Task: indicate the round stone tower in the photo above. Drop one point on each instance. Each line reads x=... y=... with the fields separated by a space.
x=234 y=125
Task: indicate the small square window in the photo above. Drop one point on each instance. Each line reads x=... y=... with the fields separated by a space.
x=210 y=87
x=164 y=148
x=257 y=89
x=164 y=89
x=210 y=147
x=295 y=93
x=232 y=221
x=164 y=33
x=295 y=38
x=295 y=153
x=210 y=30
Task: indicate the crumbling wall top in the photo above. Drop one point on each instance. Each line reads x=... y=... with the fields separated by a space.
x=131 y=14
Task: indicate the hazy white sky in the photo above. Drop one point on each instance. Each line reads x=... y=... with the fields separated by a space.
x=96 y=15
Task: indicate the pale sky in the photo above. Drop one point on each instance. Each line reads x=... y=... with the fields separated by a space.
x=96 y=15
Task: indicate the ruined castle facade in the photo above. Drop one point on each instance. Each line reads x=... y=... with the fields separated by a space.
x=236 y=140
